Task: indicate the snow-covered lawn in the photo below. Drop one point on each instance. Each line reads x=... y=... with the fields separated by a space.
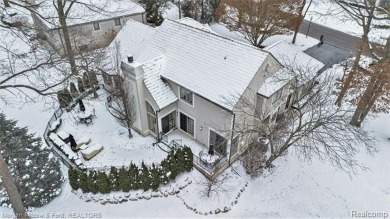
x=119 y=149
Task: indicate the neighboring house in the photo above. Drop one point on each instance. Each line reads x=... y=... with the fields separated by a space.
x=188 y=80
x=89 y=26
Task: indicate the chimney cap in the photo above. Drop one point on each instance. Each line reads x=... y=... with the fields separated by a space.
x=130 y=58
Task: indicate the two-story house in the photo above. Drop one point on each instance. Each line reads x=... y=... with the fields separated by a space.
x=91 y=24
x=188 y=80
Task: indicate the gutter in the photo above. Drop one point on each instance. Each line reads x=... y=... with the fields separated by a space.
x=231 y=138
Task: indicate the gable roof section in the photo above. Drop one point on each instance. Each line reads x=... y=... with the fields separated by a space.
x=131 y=40
x=160 y=91
x=211 y=66
x=82 y=11
x=288 y=55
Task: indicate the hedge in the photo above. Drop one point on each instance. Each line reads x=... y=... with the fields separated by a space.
x=133 y=177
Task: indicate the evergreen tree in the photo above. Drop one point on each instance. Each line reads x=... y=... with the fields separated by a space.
x=73 y=178
x=80 y=84
x=188 y=159
x=113 y=177
x=145 y=177
x=83 y=182
x=102 y=183
x=64 y=98
x=154 y=177
x=91 y=182
x=133 y=175
x=36 y=172
x=86 y=81
x=124 y=180
x=73 y=90
x=93 y=78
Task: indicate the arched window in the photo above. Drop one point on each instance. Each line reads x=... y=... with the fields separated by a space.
x=152 y=121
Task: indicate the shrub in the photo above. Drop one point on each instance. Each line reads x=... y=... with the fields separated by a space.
x=134 y=178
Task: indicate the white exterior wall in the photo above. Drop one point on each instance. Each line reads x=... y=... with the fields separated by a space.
x=206 y=116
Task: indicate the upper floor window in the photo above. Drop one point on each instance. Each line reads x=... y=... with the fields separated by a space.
x=187 y=96
x=117 y=21
x=276 y=96
x=96 y=26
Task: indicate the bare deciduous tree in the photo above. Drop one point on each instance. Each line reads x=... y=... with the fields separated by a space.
x=122 y=106
x=313 y=126
x=216 y=187
x=300 y=12
x=363 y=13
x=256 y=20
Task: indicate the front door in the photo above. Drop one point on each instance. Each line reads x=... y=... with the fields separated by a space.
x=168 y=122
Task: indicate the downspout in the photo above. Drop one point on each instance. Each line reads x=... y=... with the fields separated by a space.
x=231 y=139
x=158 y=131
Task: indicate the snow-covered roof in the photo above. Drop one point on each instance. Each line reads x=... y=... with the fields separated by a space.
x=275 y=82
x=211 y=66
x=131 y=40
x=160 y=91
x=84 y=11
x=292 y=57
x=193 y=23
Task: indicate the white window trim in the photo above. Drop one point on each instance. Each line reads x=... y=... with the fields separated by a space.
x=192 y=119
x=193 y=97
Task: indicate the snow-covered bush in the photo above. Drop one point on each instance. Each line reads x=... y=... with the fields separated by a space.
x=36 y=172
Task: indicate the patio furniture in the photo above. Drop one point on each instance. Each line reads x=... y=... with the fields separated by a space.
x=92 y=151
x=54 y=126
x=83 y=141
x=64 y=136
x=86 y=116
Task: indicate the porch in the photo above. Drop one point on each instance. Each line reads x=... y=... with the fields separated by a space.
x=210 y=166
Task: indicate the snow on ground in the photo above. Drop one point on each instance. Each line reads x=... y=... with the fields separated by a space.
x=118 y=149
x=331 y=15
x=293 y=189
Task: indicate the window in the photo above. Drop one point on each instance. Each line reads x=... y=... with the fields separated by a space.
x=187 y=124
x=276 y=96
x=117 y=21
x=152 y=121
x=96 y=26
x=186 y=95
x=219 y=142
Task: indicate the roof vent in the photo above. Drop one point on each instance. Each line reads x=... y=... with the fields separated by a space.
x=130 y=58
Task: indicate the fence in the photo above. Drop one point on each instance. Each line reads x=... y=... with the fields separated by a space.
x=57 y=152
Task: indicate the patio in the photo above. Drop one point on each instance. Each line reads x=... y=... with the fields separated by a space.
x=205 y=163
x=118 y=148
